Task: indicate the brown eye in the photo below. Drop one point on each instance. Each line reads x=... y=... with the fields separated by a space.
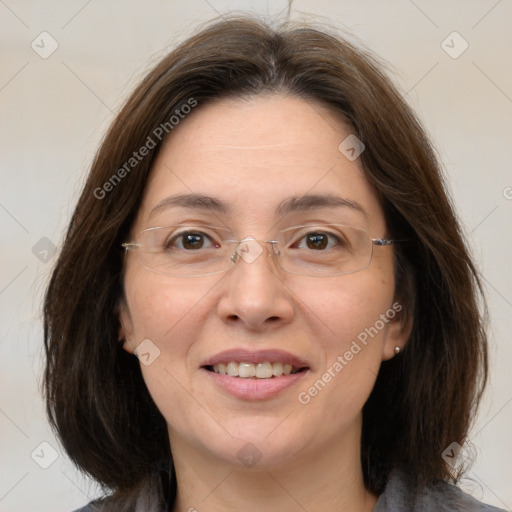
x=317 y=241
x=192 y=240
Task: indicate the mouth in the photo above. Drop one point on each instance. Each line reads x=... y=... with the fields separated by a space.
x=244 y=370
x=258 y=375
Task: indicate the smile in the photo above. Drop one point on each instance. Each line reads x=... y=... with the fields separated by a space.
x=255 y=374
x=266 y=370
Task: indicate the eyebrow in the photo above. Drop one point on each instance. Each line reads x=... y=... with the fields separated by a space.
x=316 y=201
x=294 y=204
x=192 y=201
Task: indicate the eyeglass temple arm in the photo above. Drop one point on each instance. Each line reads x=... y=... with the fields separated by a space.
x=382 y=241
x=128 y=245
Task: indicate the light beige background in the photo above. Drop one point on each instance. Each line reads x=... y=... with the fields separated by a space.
x=54 y=112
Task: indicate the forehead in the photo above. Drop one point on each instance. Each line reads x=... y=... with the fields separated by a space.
x=255 y=153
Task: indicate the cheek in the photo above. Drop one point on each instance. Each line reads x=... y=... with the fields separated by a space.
x=348 y=320
x=164 y=309
x=170 y=313
x=347 y=306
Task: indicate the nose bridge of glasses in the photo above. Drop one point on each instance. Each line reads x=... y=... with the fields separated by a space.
x=250 y=249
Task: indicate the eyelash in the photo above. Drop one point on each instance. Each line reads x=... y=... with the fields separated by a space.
x=179 y=236
x=337 y=239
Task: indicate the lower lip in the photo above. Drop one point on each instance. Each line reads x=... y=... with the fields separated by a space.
x=255 y=389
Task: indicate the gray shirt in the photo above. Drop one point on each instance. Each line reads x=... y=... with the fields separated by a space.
x=399 y=496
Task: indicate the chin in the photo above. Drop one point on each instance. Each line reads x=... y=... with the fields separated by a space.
x=257 y=443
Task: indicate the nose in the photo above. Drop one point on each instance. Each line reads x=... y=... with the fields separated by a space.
x=255 y=295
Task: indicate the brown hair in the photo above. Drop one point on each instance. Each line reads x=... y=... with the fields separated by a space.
x=423 y=400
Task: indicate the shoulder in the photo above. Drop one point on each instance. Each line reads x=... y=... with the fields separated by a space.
x=399 y=496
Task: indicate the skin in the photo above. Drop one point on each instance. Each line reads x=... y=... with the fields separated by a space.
x=252 y=154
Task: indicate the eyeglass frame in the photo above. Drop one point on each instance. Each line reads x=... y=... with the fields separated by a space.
x=380 y=242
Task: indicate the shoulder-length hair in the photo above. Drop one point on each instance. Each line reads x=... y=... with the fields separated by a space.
x=423 y=400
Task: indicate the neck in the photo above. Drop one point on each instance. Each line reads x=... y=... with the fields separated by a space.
x=328 y=479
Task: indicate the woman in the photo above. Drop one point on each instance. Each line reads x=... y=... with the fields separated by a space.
x=264 y=301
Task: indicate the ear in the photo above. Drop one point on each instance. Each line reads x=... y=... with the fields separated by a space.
x=398 y=331
x=125 y=327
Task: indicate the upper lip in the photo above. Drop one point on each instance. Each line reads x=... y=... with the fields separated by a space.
x=255 y=357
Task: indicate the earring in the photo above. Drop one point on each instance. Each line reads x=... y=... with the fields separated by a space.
x=397 y=350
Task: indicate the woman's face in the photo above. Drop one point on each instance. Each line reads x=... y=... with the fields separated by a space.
x=251 y=156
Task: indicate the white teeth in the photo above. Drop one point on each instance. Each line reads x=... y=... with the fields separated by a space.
x=247 y=370
x=277 y=369
x=232 y=369
x=263 y=370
